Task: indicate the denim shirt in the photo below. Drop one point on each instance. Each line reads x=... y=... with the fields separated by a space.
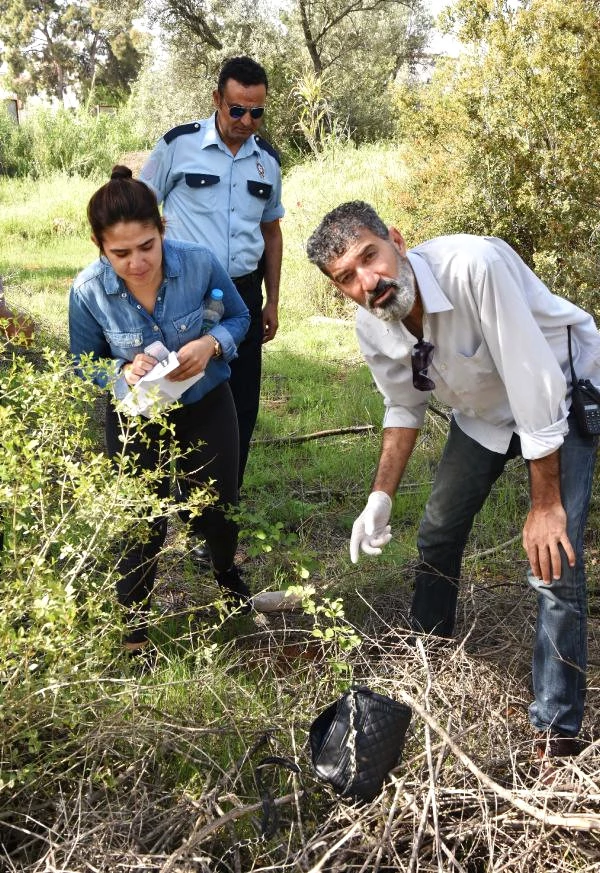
x=106 y=321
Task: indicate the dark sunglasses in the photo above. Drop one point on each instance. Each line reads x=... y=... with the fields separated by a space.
x=420 y=358
x=236 y=111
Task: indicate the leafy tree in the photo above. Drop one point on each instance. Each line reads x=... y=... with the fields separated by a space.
x=51 y=45
x=357 y=50
x=333 y=29
x=506 y=138
x=344 y=54
x=206 y=29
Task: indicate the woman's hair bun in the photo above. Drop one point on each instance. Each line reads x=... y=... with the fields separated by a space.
x=121 y=172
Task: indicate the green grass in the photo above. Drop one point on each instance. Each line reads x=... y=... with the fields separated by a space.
x=44 y=242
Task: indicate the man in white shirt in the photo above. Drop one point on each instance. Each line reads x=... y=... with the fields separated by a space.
x=465 y=318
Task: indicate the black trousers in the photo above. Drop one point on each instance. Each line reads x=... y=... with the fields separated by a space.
x=246 y=368
x=209 y=430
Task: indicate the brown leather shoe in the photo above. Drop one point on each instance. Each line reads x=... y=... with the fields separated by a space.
x=548 y=745
x=550 y=750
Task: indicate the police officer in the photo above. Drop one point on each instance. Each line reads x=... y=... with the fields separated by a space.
x=220 y=185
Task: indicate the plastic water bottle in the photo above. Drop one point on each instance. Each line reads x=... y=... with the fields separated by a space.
x=213 y=310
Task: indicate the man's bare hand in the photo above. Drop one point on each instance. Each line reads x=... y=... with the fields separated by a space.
x=546 y=529
x=270 y=321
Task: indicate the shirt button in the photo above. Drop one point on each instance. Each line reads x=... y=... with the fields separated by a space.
x=203 y=181
x=138 y=306
x=123 y=293
x=155 y=328
x=442 y=367
x=261 y=190
x=232 y=208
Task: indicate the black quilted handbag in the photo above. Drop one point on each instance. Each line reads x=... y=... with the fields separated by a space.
x=357 y=740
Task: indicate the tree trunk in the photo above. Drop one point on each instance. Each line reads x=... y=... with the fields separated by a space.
x=309 y=39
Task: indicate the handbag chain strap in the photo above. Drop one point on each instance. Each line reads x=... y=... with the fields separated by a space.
x=352 y=733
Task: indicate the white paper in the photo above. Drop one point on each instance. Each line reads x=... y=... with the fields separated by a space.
x=154 y=391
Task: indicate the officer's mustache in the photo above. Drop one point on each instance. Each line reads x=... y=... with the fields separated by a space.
x=382 y=286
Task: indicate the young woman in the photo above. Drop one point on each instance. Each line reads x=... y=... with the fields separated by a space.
x=144 y=288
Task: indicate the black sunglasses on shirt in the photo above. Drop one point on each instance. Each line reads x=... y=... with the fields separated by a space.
x=421 y=357
x=237 y=112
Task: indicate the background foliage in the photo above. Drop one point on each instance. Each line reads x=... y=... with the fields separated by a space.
x=98 y=52
x=54 y=45
x=505 y=140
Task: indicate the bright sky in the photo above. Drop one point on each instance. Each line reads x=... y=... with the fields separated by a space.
x=440 y=43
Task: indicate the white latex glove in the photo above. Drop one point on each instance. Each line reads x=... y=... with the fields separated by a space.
x=371 y=531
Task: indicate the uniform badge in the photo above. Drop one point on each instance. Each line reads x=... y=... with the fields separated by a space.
x=261 y=169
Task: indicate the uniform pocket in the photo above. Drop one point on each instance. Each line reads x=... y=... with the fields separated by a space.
x=260 y=189
x=201 y=180
x=202 y=191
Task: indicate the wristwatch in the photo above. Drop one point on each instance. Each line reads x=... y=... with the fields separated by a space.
x=218 y=349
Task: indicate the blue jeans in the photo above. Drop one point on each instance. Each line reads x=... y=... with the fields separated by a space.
x=463 y=481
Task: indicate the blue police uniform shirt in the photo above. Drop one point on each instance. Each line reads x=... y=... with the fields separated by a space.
x=107 y=322
x=215 y=198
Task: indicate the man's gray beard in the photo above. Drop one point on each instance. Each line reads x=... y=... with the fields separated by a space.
x=402 y=301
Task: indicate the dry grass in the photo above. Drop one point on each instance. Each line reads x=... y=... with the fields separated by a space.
x=466 y=796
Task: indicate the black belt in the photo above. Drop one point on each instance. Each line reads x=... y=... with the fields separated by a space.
x=248 y=279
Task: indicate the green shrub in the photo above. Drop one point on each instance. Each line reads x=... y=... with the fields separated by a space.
x=14 y=146
x=65 y=510
x=76 y=143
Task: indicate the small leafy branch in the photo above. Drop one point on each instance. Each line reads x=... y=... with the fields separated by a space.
x=264 y=537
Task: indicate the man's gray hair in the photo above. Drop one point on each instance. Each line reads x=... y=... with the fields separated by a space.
x=339 y=228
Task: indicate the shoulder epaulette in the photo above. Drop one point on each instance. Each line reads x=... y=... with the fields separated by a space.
x=192 y=127
x=267 y=147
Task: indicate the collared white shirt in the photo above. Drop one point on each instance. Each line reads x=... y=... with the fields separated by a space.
x=501 y=350
x=213 y=197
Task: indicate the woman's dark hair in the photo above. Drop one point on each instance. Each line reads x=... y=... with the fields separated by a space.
x=123 y=198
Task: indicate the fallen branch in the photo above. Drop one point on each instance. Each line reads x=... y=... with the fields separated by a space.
x=317 y=435
x=336 y=431
x=476 y=555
